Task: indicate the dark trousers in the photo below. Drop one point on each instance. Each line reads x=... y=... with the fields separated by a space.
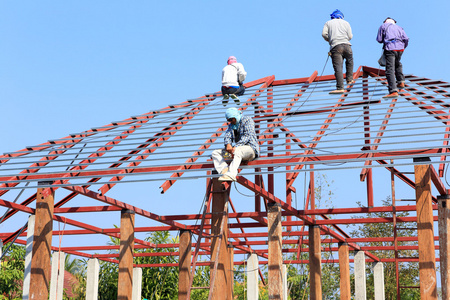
x=394 y=69
x=338 y=54
x=231 y=90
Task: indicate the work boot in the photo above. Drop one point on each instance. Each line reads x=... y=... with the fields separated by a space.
x=235 y=98
x=401 y=85
x=225 y=99
x=226 y=177
x=351 y=82
x=337 y=92
x=391 y=95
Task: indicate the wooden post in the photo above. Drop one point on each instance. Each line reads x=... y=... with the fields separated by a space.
x=315 y=268
x=125 y=283
x=444 y=243
x=275 y=247
x=184 y=264
x=230 y=270
x=40 y=262
x=425 y=232
x=220 y=198
x=344 y=270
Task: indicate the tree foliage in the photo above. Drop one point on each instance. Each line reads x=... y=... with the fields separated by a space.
x=408 y=271
x=11 y=272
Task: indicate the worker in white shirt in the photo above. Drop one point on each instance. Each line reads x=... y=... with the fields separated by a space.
x=233 y=75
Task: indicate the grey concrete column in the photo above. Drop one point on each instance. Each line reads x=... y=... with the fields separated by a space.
x=137 y=284
x=284 y=278
x=28 y=256
x=378 y=276
x=57 y=277
x=252 y=277
x=360 y=276
x=93 y=270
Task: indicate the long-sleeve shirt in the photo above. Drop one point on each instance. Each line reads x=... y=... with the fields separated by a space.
x=244 y=135
x=233 y=74
x=337 y=31
x=392 y=36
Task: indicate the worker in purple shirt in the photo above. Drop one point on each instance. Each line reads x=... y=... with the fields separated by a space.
x=394 y=41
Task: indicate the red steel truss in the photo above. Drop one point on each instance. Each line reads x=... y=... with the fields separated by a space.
x=301 y=129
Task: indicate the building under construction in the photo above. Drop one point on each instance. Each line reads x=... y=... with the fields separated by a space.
x=302 y=131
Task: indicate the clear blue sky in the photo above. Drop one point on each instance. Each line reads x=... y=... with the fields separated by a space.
x=67 y=66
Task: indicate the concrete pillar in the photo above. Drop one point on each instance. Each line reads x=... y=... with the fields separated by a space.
x=28 y=256
x=444 y=243
x=378 y=276
x=360 y=276
x=184 y=263
x=219 y=217
x=43 y=228
x=125 y=282
x=425 y=231
x=315 y=263
x=93 y=271
x=344 y=271
x=57 y=277
x=275 y=246
x=285 y=286
x=252 y=277
x=137 y=284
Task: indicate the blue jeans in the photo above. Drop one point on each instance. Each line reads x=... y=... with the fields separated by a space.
x=394 y=69
x=231 y=90
x=338 y=54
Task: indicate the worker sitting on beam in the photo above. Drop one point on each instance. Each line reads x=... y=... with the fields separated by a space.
x=241 y=133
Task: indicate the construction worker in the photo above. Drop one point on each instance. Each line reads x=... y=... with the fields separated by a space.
x=233 y=75
x=338 y=33
x=394 y=41
x=240 y=144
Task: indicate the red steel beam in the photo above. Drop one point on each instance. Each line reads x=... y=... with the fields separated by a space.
x=376 y=142
x=157 y=141
x=297 y=158
x=168 y=183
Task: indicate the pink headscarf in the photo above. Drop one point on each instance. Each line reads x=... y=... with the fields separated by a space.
x=232 y=60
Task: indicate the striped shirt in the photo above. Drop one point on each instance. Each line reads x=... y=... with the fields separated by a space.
x=245 y=135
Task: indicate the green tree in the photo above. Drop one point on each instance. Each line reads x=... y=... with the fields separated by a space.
x=157 y=282
x=408 y=272
x=11 y=272
x=76 y=267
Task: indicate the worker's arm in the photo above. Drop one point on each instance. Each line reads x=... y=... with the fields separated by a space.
x=229 y=148
x=325 y=32
x=241 y=73
x=228 y=139
x=380 y=34
x=349 y=32
x=405 y=38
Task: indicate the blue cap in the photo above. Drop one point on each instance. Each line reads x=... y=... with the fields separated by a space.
x=337 y=14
